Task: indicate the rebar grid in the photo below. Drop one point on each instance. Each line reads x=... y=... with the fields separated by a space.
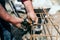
x=50 y=29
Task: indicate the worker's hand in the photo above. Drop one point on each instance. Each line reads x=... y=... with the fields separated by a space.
x=17 y=21
x=33 y=17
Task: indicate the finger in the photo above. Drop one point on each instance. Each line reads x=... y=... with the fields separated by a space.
x=31 y=16
x=18 y=25
x=20 y=20
x=36 y=21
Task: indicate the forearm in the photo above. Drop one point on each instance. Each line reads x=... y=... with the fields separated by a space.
x=4 y=15
x=30 y=11
x=28 y=6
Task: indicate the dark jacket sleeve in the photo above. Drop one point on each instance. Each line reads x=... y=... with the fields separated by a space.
x=2 y=2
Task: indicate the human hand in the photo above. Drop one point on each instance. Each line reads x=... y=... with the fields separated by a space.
x=16 y=21
x=33 y=17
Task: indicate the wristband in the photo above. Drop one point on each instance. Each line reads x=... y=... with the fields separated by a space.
x=23 y=0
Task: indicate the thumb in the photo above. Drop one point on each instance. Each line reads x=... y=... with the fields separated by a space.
x=36 y=20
